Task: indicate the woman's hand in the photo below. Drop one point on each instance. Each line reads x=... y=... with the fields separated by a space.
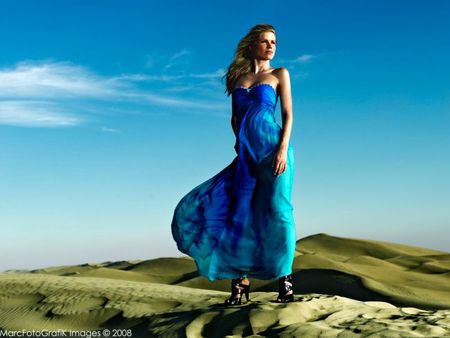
x=279 y=161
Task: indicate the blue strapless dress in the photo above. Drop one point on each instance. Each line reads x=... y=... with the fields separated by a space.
x=240 y=221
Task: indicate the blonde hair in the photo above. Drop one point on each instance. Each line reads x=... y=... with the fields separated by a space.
x=242 y=62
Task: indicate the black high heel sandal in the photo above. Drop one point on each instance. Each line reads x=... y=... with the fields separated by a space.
x=285 y=293
x=237 y=289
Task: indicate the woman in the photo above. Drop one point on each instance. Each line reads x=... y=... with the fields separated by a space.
x=239 y=223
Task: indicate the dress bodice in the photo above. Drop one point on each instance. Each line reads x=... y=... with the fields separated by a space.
x=259 y=94
x=254 y=109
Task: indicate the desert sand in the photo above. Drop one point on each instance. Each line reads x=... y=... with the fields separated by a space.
x=344 y=287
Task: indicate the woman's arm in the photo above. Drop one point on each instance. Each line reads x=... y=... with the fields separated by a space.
x=286 y=107
x=284 y=85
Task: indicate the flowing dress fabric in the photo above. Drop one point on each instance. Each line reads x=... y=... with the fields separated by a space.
x=240 y=221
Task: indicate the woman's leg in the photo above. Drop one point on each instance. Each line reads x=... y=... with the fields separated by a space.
x=239 y=287
x=285 y=287
x=245 y=280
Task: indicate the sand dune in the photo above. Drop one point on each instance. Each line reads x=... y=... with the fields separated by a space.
x=344 y=288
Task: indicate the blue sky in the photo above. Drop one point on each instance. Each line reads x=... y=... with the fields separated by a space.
x=111 y=111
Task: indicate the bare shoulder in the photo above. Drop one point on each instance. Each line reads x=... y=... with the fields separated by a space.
x=282 y=74
x=284 y=82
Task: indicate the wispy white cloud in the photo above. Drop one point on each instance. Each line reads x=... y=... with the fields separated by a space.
x=182 y=57
x=145 y=77
x=110 y=130
x=36 y=114
x=304 y=58
x=301 y=59
x=53 y=94
x=218 y=73
x=297 y=65
x=54 y=79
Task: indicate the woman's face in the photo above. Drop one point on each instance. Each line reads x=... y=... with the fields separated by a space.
x=264 y=48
